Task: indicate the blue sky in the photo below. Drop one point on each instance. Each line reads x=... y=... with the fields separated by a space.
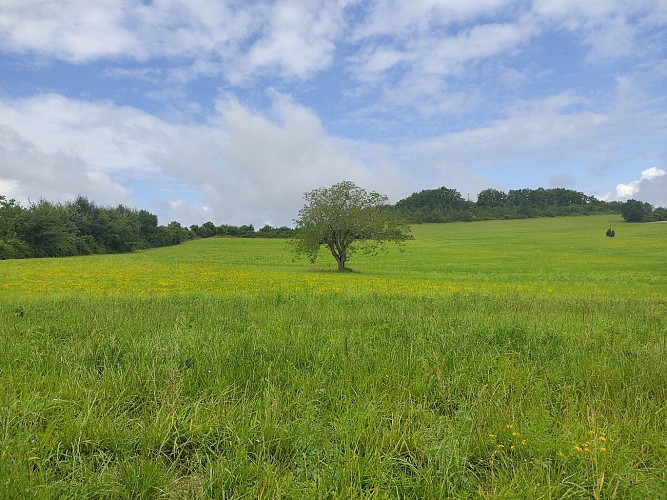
x=229 y=111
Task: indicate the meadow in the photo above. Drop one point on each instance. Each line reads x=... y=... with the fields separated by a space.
x=498 y=359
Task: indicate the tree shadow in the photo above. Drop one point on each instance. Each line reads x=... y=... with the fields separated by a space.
x=317 y=269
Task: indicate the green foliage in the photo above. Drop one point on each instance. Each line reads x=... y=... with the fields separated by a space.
x=636 y=211
x=80 y=227
x=434 y=205
x=268 y=231
x=11 y=245
x=447 y=205
x=245 y=231
x=660 y=214
x=207 y=230
x=491 y=198
x=345 y=217
x=171 y=234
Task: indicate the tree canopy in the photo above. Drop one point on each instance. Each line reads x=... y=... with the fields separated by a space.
x=447 y=205
x=344 y=218
x=79 y=227
x=636 y=211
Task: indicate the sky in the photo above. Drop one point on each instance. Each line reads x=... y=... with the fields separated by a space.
x=229 y=111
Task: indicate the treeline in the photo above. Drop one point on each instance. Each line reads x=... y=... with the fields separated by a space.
x=639 y=211
x=208 y=230
x=80 y=227
x=447 y=205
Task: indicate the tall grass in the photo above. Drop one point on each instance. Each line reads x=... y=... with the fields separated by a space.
x=362 y=391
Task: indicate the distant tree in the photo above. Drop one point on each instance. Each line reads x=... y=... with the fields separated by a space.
x=91 y=225
x=441 y=198
x=48 y=230
x=345 y=217
x=268 y=231
x=247 y=231
x=491 y=198
x=172 y=234
x=125 y=231
x=434 y=205
x=147 y=226
x=660 y=214
x=207 y=230
x=227 y=230
x=12 y=246
x=636 y=211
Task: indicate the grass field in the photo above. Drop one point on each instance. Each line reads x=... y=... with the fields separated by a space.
x=500 y=359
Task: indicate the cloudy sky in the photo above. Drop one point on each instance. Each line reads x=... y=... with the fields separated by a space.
x=229 y=111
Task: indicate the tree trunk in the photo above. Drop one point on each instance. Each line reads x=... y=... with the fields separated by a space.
x=341 y=264
x=340 y=256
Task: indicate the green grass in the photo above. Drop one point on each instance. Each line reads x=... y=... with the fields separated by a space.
x=502 y=359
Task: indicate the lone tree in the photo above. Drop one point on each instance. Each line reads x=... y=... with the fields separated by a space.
x=636 y=211
x=344 y=218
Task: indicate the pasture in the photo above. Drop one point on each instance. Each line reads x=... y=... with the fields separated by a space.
x=498 y=359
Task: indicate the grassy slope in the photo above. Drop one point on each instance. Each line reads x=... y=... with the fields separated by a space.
x=502 y=358
x=544 y=256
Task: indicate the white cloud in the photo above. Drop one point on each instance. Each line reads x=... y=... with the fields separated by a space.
x=298 y=39
x=418 y=69
x=234 y=39
x=407 y=19
x=609 y=29
x=423 y=53
x=99 y=134
x=249 y=166
x=271 y=161
x=28 y=173
x=651 y=187
x=425 y=65
x=246 y=166
x=73 y=30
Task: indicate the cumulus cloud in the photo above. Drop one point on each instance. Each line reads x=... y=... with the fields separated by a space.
x=431 y=56
x=28 y=173
x=241 y=167
x=241 y=40
x=237 y=39
x=272 y=159
x=651 y=187
x=419 y=17
x=419 y=69
x=244 y=165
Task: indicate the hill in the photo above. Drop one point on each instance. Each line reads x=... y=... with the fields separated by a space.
x=521 y=358
x=447 y=205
